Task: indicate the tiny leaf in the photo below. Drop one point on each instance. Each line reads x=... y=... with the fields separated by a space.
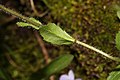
x=23 y=24
x=34 y=20
x=115 y=75
x=55 y=35
x=118 y=14
x=55 y=66
x=118 y=40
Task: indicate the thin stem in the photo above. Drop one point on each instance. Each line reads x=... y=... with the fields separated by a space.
x=33 y=7
x=44 y=50
x=99 y=51
x=26 y=19
x=35 y=10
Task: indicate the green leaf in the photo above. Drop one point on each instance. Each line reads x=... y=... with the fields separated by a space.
x=55 y=35
x=118 y=14
x=118 y=40
x=34 y=20
x=54 y=67
x=23 y=24
x=115 y=75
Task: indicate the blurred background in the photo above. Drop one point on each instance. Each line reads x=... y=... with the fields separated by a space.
x=23 y=51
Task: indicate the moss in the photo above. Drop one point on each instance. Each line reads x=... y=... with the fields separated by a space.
x=91 y=21
x=94 y=22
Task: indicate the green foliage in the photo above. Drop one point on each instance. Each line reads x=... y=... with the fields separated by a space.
x=94 y=25
x=23 y=24
x=54 y=34
x=115 y=75
x=54 y=67
x=118 y=40
x=118 y=34
x=118 y=14
x=50 y=32
x=34 y=20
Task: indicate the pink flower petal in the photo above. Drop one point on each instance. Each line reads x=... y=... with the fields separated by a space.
x=71 y=75
x=64 y=77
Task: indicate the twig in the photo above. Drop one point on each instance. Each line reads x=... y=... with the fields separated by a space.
x=40 y=41
x=11 y=61
x=44 y=50
x=35 y=10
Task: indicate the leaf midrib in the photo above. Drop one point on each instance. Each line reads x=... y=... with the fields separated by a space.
x=55 y=34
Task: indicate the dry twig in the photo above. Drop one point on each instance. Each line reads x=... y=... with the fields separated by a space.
x=44 y=50
x=35 y=10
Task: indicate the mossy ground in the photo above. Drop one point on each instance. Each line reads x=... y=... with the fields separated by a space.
x=91 y=21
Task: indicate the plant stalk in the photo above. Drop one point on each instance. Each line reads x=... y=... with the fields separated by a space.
x=26 y=19
x=99 y=51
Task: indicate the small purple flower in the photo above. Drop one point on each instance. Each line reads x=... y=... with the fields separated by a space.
x=70 y=76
